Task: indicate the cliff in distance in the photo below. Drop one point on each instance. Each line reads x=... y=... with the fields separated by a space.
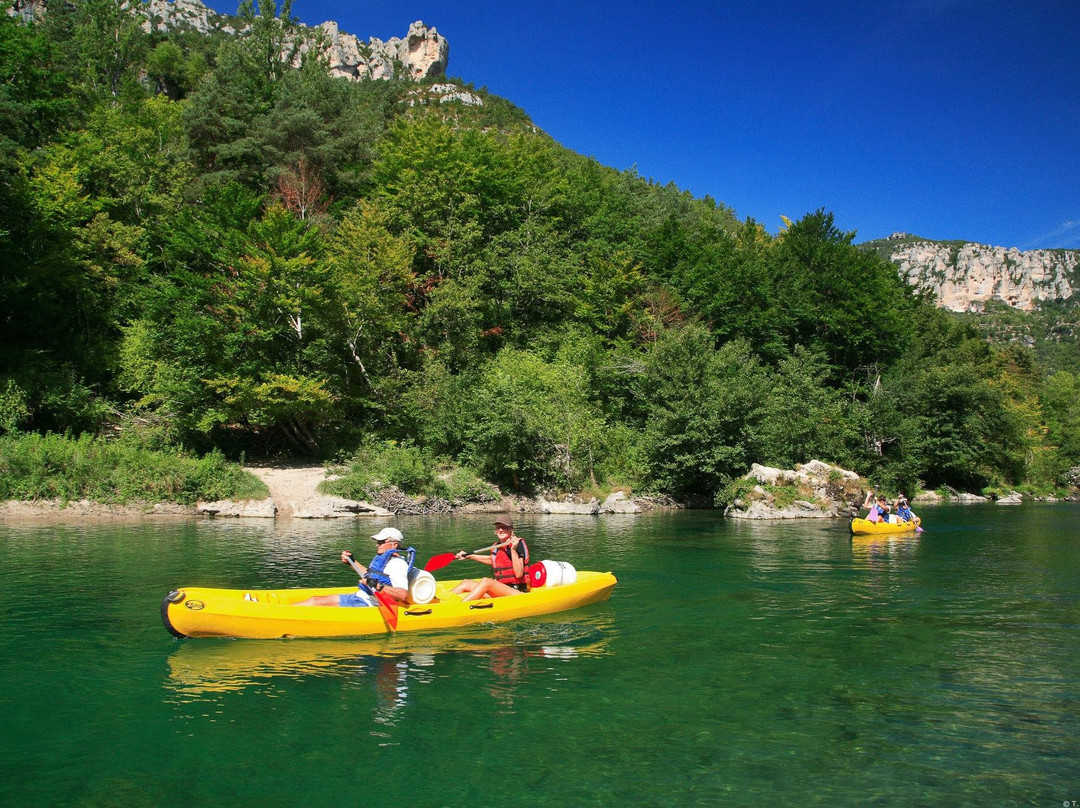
x=422 y=53
x=965 y=277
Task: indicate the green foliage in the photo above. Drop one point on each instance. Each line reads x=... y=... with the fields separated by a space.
x=837 y=299
x=36 y=99
x=249 y=343
x=378 y=465
x=966 y=435
x=702 y=410
x=44 y=395
x=735 y=491
x=803 y=418
x=205 y=246
x=372 y=273
x=532 y=424
x=1061 y=404
x=109 y=44
x=252 y=117
x=14 y=408
x=55 y=467
x=461 y=484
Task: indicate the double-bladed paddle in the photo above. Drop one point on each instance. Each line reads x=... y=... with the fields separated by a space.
x=442 y=559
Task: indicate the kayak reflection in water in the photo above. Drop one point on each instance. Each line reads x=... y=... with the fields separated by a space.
x=509 y=562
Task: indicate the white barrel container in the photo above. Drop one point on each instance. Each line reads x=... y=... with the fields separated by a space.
x=555 y=573
x=421 y=586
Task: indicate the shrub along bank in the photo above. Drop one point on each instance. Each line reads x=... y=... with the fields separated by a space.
x=45 y=467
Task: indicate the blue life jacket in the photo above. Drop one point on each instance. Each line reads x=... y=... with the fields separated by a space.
x=378 y=564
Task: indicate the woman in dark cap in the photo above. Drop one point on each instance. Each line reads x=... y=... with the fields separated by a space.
x=509 y=562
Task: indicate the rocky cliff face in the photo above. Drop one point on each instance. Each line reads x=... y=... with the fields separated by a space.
x=421 y=54
x=163 y=15
x=965 y=276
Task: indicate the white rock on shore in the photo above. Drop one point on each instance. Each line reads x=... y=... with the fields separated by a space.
x=590 y=508
x=828 y=491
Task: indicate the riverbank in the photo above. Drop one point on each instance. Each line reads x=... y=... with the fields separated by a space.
x=294 y=494
x=814 y=490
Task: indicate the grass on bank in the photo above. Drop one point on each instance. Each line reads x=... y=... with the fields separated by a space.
x=38 y=467
x=411 y=470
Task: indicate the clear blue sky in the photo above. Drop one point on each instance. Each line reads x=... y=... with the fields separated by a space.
x=950 y=119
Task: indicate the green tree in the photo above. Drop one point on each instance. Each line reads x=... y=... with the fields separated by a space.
x=534 y=426
x=968 y=438
x=111 y=47
x=702 y=409
x=839 y=300
x=803 y=418
x=1061 y=403
x=273 y=301
x=174 y=72
x=372 y=274
x=250 y=122
x=238 y=339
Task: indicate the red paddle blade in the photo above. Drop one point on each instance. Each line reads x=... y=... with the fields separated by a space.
x=439 y=561
x=388 y=607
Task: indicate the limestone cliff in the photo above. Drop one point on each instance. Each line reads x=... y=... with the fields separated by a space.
x=964 y=276
x=421 y=54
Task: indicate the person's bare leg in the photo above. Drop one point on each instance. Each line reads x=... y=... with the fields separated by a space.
x=319 y=600
x=491 y=588
x=465 y=586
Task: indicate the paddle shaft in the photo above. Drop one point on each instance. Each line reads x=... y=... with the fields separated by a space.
x=441 y=560
x=387 y=605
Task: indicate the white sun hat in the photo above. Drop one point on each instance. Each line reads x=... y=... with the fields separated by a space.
x=389 y=534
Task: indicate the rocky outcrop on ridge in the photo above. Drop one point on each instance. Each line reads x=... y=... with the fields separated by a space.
x=422 y=53
x=965 y=276
x=168 y=15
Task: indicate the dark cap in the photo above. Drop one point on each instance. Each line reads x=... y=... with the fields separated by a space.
x=505 y=520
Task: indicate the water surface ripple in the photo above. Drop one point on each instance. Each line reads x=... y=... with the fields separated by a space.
x=736 y=664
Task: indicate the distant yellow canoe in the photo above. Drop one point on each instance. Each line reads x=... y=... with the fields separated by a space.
x=866 y=527
x=200 y=612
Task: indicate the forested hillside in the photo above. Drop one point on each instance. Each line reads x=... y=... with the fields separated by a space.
x=205 y=247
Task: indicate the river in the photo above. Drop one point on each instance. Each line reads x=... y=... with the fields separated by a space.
x=737 y=663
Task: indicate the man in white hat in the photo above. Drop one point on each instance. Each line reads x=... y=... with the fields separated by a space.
x=388 y=573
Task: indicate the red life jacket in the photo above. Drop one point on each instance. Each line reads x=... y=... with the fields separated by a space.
x=502 y=566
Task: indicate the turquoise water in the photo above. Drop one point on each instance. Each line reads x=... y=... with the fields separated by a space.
x=735 y=664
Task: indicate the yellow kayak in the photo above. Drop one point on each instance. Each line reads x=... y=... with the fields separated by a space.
x=866 y=527
x=269 y=614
